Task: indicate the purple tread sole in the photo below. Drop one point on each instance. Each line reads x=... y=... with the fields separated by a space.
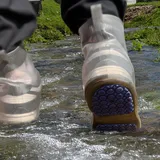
x=110 y=100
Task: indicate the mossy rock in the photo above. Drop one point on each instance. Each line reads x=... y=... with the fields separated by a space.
x=50 y=24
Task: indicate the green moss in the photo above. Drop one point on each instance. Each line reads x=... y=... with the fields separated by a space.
x=151 y=96
x=154 y=3
x=145 y=20
x=149 y=36
x=50 y=24
x=146 y=34
x=158 y=107
x=136 y=45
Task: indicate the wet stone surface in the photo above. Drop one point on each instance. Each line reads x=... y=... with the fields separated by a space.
x=63 y=130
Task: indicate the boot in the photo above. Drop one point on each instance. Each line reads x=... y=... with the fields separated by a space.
x=108 y=74
x=20 y=88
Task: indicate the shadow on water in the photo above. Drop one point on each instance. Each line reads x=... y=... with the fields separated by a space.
x=63 y=130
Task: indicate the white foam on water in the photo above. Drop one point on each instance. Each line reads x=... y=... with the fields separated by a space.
x=145 y=105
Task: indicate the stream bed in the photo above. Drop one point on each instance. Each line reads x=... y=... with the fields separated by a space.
x=64 y=128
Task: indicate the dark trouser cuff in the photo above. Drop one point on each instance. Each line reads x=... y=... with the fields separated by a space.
x=11 y=60
x=17 y=22
x=76 y=12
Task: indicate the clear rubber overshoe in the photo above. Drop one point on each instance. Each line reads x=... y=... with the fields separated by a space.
x=108 y=74
x=20 y=88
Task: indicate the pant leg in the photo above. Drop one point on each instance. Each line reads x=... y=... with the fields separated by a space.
x=17 y=21
x=76 y=12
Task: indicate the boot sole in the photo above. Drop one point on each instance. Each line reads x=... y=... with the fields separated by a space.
x=19 y=118
x=113 y=102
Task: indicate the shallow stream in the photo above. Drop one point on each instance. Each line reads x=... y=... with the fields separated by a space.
x=63 y=130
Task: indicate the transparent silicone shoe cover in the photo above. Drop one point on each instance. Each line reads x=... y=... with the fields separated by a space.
x=104 y=47
x=20 y=88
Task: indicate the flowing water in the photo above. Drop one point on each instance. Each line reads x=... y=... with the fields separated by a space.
x=63 y=130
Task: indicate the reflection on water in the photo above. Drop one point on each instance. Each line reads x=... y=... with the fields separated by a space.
x=63 y=130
